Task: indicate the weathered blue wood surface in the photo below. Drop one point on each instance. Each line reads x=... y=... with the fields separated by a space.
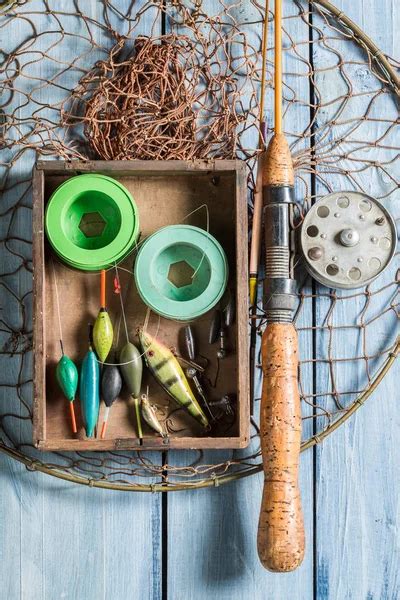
x=218 y=528
x=58 y=540
x=358 y=468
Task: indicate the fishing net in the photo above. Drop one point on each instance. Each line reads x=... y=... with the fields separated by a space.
x=125 y=79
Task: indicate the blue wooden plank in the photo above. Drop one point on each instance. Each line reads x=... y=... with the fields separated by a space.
x=60 y=540
x=357 y=497
x=212 y=533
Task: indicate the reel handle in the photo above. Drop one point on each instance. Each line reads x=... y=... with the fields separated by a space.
x=280 y=538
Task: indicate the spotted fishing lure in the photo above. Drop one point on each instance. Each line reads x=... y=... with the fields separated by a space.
x=169 y=374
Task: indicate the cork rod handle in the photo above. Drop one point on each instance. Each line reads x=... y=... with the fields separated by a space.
x=281 y=529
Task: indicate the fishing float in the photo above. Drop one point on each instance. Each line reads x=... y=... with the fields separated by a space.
x=280 y=539
x=258 y=199
x=89 y=389
x=67 y=378
x=111 y=385
x=131 y=366
x=103 y=330
x=66 y=371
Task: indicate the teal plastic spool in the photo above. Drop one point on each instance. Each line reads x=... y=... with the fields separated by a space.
x=91 y=222
x=181 y=272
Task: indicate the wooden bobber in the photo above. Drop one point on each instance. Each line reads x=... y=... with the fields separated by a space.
x=103 y=333
x=111 y=384
x=67 y=378
x=131 y=366
x=89 y=391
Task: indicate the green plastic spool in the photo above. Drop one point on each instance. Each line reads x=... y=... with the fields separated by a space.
x=181 y=272
x=91 y=222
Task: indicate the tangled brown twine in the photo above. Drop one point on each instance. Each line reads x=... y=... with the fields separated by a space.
x=84 y=81
x=148 y=105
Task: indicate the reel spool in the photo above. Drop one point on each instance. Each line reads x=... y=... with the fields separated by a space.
x=181 y=272
x=347 y=240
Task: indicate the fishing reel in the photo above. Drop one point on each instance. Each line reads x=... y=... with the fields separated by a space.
x=347 y=239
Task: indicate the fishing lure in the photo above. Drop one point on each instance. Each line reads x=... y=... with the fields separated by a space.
x=67 y=378
x=222 y=351
x=150 y=415
x=215 y=327
x=224 y=403
x=131 y=366
x=103 y=330
x=189 y=342
x=111 y=384
x=89 y=391
x=230 y=310
x=191 y=348
x=169 y=374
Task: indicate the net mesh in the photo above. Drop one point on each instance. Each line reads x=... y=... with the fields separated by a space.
x=178 y=80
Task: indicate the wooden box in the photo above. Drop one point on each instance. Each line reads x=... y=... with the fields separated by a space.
x=165 y=192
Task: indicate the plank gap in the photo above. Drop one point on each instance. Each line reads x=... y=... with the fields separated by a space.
x=313 y=309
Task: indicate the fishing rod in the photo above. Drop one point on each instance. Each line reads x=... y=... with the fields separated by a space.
x=257 y=210
x=281 y=529
x=258 y=201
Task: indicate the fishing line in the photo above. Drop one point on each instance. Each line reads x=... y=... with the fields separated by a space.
x=205 y=206
x=123 y=294
x=146 y=319
x=122 y=305
x=58 y=306
x=122 y=313
x=118 y=328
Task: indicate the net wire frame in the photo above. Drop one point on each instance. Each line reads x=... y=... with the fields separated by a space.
x=55 y=61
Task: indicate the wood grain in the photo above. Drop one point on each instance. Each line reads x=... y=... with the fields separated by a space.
x=358 y=468
x=281 y=527
x=39 y=359
x=211 y=533
x=217 y=554
x=58 y=540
